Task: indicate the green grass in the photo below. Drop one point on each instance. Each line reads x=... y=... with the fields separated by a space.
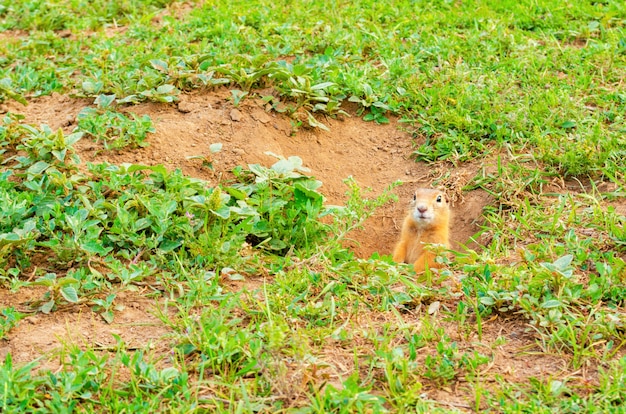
x=469 y=77
x=537 y=83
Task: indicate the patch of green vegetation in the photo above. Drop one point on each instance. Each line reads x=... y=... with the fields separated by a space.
x=514 y=73
x=76 y=15
x=9 y=318
x=554 y=395
x=115 y=129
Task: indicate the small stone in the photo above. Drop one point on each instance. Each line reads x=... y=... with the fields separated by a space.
x=33 y=320
x=4 y=351
x=235 y=115
x=261 y=116
x=239 y=151
x=185 y=107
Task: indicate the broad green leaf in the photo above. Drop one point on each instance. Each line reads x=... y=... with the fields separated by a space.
x=258 y=170
x=69 y=293
x=551 y=303
x=47 y=307
x=73 y=138
x=236 y=193
x=159 y=168
x=107 y=316
x=46 y=280
x=568 y=124
x=91 y=87
x=315 y=123
x=160 y=65
x=104 y=101
x=487 y=301
x=141 y=224
x=59 y=155
x=564 y=262
x=322 y=85
x=38 y=167
x=276 y=244
x=168 y=373
x=310 y=188
x=95 y=247
x=223 y=212
x=169 y=245
x=166 y=89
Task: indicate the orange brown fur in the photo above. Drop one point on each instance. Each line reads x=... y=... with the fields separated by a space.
x=427 y=221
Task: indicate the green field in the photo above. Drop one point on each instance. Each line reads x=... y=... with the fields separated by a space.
x=538 y=85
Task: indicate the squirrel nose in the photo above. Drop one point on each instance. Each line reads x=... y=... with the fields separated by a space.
x=422 y=209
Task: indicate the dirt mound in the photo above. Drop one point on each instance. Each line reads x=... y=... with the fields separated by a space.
x=374 y=155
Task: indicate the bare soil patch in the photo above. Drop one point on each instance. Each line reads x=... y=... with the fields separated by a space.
x=39 y=334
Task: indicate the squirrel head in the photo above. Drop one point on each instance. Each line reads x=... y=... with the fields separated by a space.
x=430 y=208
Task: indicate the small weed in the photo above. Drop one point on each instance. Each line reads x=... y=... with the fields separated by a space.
x=207 y=160
x=7 y=91
x=9 y=318
x=352 y=396
x=372 y=103
x=114 y=129
x=445 y=365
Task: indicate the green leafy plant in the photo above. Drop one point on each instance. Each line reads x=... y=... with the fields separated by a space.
x=9 y=318
x=287 y=204
x=46 y=149
x=7 y=91
x=237 y=96
x=371 y=102
x=445 y=365
x=114 y=129
x=352 y=396
x=59 y=288
x=207 y=160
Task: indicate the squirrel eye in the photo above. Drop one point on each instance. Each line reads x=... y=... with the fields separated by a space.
x=414 y=197
x=439 y=199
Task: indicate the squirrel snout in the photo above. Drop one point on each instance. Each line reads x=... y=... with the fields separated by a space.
x=422 y=209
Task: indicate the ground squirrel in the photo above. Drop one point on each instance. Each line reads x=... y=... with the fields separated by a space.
x=428 y=221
